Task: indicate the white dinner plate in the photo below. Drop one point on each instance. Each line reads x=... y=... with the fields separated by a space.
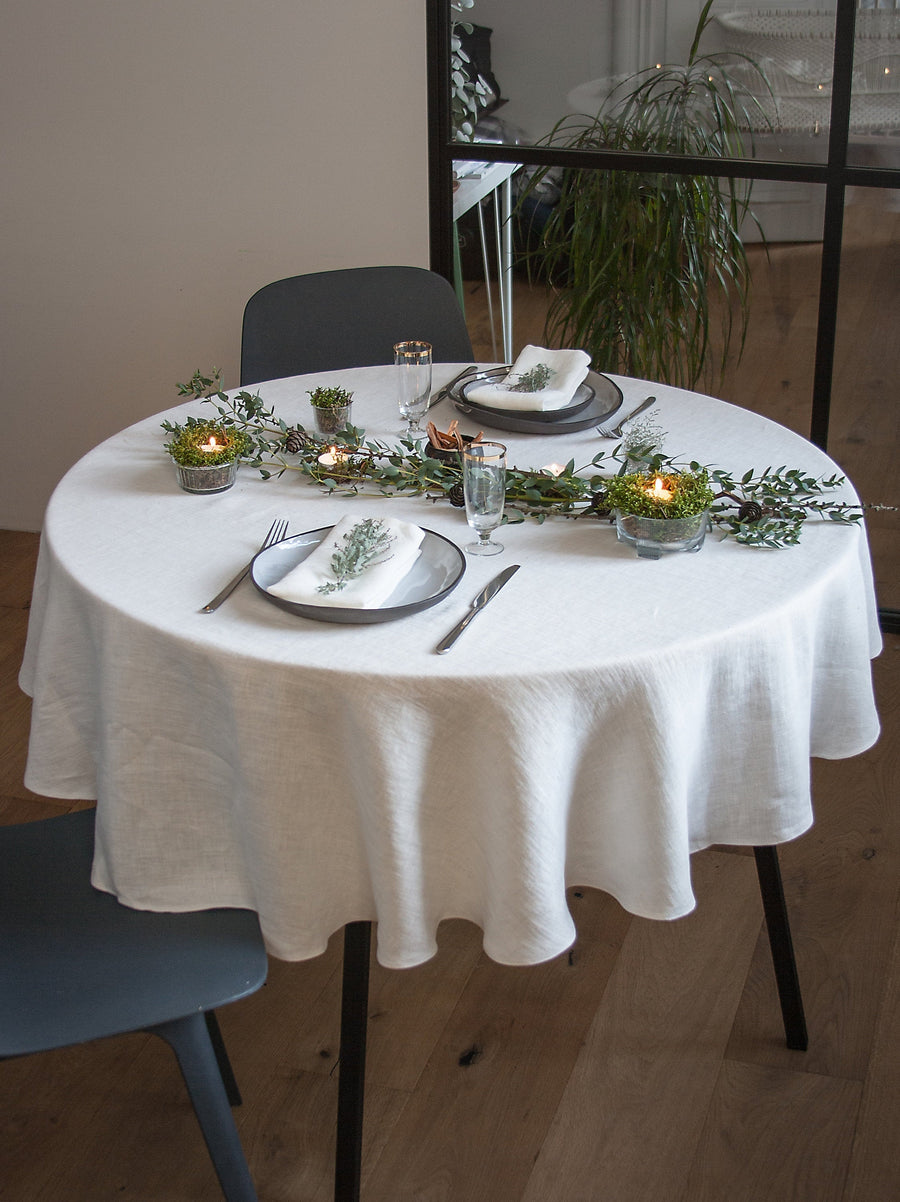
x=579 y=400
x=432 y=577
x=607 y=399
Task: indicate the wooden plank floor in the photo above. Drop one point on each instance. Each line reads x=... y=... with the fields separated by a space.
x=648 y=1064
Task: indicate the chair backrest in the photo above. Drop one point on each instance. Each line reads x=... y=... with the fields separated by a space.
x=349 y=318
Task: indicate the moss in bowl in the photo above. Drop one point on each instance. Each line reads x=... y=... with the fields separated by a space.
x=206 y=454
x=331 y=407
x=664 y=495
x=660 y=512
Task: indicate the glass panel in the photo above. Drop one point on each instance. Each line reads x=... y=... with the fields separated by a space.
x=795 y=51
x=629 y=289
x=774 y=375
x=865 y=420
x=550 y=68
x=875 y=104
x=539 y=68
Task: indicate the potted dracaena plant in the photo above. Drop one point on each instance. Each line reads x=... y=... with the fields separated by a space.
x=648 y=271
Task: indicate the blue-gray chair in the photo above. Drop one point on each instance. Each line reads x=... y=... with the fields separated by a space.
x=75 y=966
x=349 y=318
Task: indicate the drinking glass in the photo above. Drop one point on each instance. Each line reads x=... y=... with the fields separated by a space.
x=413 y=362
x=484 y=487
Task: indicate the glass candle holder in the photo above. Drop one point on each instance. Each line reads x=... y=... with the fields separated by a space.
x=655 y=537
x=332 y=419
x=213 y=478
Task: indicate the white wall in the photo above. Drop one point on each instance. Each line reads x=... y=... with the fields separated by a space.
x=162 y=159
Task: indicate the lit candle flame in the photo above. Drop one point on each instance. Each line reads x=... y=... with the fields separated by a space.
x=332 y=456
x=659 y=492
x=212 y=445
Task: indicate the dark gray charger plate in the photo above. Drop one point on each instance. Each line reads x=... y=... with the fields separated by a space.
x=432 y=577
x=581 y=398
x=606 y=401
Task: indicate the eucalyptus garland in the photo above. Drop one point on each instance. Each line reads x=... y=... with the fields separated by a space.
x=759 y=509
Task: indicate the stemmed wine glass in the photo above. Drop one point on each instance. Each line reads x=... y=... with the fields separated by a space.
x=484 y=487
x=413 y=362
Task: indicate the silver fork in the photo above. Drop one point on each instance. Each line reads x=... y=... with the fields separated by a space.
x=277 y=532
x=608 y=431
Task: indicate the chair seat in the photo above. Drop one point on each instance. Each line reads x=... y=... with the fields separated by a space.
x=75 y=965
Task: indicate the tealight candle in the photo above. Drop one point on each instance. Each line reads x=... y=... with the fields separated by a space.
x=211 y=446
x=659 y=492
x=553 y=469
x=332 y=457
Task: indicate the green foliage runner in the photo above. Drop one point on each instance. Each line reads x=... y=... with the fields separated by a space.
x=757 y=509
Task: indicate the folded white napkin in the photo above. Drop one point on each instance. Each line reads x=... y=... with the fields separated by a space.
x=313 y=581
x=568 y=369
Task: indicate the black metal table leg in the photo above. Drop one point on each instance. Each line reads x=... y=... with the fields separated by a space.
x=352 y=1069
x=770 y=886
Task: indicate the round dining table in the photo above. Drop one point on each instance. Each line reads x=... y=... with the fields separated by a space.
x=604 y=718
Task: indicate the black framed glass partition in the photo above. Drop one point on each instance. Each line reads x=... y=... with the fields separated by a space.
x=828 y=133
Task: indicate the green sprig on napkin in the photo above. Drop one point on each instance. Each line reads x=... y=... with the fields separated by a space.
x=534 y=380
x=364 y=543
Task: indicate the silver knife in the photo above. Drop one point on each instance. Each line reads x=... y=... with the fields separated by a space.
x=474 y=373
x=445 y=389
x=489 y=590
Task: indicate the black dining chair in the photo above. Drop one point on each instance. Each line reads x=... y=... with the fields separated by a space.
x=349 y=318
x=75 y=966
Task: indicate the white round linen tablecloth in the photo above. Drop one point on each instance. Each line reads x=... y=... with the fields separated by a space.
x=603 y=719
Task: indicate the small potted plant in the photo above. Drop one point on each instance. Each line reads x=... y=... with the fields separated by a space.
x=658 y=512
x=331 y=407
x=206 y=453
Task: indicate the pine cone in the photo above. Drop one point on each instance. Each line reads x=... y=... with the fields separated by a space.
x=750 y=511
x=457 y=497
x=294 y=442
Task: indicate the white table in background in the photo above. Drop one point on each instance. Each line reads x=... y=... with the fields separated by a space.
x=496 y=179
